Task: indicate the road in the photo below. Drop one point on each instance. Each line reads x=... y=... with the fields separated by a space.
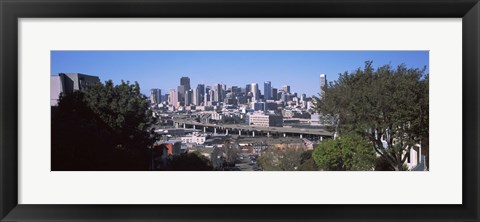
x=246 y=164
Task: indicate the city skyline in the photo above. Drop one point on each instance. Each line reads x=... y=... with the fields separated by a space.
x=163 y=69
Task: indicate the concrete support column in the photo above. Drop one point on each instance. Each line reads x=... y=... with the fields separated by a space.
x=184 y=126
x=194 y=127
x=420 y=153
x=204 y=129
x=268 y=134
x=214 y=130
x=226 y=132
x=284 y=135
x=253 y=133
x=321 y=138
x=239 y=132
x=301 y=136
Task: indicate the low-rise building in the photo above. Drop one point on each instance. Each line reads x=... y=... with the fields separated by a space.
x=196 y=138
x=265 y=120
x=217 y=116
x=315 y=119
x=173 y=147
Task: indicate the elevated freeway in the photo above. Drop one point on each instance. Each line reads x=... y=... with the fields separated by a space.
x=253 y=130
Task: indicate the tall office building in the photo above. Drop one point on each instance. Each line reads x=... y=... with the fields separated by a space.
x=224 y=91
x=199 y=94
x=267 y=90
x=255 y=91
x=181 y=93
x=173 y=98
x=159 y=98
x=218 y=92
x=185 y=81
x=182 y=88
x=188 y=97
x=284 y=97
x=323 y=83
x=274 y=94
x=155 y=96
x=195 y=97
x=234 y=90
x=286 y=88
x=248 y=88
x=207 y=100
x=210 y=95
x=165 y=97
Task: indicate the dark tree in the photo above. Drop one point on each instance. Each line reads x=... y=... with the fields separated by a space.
x=307 y=163
x=102 y=128
x=191 y=162
x=230 y=153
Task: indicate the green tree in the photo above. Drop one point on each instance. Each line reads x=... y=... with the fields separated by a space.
x=349 y=152
x=230 y=152
x=289 y=159
x=307 y=163
x=102 y=128
x=268 y=160
x=388 y=106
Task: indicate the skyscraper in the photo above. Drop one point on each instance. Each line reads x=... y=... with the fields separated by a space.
x=210 y=95
x=199 y=94
x=274 y=94
x=173 y=98
x=286 y=88
x=218 y=92
x=195 y=97
x=185 y=81
x=184 y=86
x=248 y=88
x=207 y=100
x=234 y=90
x=284 y=97
x=224 y=91
x=323 y=83
x=255 y=91
x=188 y=97
x=155 y=96
x=181 y=93
x=267 y=90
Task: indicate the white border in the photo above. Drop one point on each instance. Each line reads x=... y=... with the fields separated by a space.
x=441 y=185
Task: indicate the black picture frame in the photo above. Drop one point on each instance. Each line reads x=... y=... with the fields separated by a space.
x=11 y=11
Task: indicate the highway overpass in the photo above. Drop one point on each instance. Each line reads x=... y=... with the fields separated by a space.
x=245 y=130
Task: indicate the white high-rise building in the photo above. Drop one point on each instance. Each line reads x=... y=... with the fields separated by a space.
x=323 y=83
x=255 y=92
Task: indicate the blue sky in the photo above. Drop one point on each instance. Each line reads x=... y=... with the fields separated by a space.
x=163 y=69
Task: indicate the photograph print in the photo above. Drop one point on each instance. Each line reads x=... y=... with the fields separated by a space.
x=239 y=110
